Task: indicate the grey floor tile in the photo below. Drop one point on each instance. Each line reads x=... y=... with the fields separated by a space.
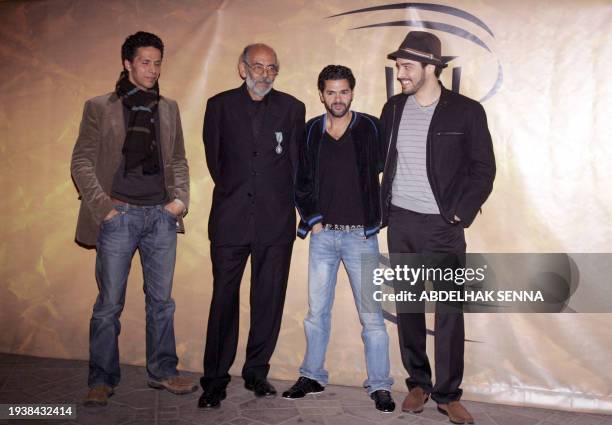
x=270 y=416
x=115 y=414
x=241 y=421
x=430 y=412
x=306 y=420
x=137 y=398
x=171 y=422
x=38 y=380
x=226 y=413
x=18 y=396
x=301 y=403
x=369 y=412
x=411 y=420
x=348 y=420
x=506 y=418
x=256 y=403
x=321 y=411
x=166 y=399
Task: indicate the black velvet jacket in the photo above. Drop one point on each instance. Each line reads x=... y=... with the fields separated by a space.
x=366 y=134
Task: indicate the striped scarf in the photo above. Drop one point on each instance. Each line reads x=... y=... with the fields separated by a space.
x=140 y=146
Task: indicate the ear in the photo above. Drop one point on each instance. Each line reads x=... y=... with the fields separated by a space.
x=127 y=65
x=430 y=69
x=321 y=97
x=242 y=70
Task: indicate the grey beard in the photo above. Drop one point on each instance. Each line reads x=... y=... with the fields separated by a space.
x=252 y=87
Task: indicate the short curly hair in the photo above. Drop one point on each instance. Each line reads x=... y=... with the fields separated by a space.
x=335 y=72
x=140 y=39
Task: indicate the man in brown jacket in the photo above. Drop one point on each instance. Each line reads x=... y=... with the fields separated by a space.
x=130 y=169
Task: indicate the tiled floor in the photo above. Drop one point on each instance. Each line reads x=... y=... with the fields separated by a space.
x=38 y=380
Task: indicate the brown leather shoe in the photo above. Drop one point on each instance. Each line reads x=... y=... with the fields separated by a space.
x=98 y=396
x=415 y=400
x=175 y=384
x=456 y=413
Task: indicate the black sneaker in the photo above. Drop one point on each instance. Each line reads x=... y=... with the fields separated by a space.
x=384 y=401
x=302 y=387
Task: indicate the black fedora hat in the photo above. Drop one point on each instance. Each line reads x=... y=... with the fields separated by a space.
x=420 y=46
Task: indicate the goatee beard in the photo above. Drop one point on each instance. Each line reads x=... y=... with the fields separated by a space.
x=252 y=85
x=338 y=114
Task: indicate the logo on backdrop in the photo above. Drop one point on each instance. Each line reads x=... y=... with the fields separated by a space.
x=479 y=58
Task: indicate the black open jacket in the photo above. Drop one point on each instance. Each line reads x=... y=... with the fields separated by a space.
x=460 y=160
x=366 y=134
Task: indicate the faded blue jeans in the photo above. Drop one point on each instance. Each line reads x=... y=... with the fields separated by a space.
x=327 y=249
x=151 y=231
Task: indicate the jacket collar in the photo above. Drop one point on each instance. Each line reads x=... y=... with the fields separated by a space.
x=354 y=119
x=273 y=108
x=244 y=91
x=445 y=96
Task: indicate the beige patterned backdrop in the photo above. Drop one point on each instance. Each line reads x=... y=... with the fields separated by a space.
x=549 y=117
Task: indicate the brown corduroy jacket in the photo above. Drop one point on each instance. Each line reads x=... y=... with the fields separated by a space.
x=97 y=155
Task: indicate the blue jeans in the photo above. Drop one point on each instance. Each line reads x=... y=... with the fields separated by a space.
x=327 y=249
x=151 y=230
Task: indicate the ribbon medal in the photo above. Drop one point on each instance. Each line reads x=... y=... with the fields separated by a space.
x=279 y=141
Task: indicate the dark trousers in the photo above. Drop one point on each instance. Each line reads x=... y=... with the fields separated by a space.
x=411 y=232
x=269 y=275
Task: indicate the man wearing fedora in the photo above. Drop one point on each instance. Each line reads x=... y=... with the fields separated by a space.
x=439 y=170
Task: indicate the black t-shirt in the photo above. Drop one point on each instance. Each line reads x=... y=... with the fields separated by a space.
x=339 y=193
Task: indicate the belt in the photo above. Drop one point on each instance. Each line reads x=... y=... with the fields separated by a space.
x=342 y=227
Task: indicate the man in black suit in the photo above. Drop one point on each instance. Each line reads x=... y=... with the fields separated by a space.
x=251 y=138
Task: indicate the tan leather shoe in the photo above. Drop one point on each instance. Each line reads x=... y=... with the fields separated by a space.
x=415 y=400
x=98 y=396
x=456 y=413
x=175 y=384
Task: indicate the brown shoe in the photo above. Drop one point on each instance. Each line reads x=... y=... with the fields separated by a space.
x=175 y=384
x=456 y=413
x=98 y=396
x=415 y=400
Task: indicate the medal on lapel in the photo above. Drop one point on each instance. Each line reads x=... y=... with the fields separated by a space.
x=279 y=141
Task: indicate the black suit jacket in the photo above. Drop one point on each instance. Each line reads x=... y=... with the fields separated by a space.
x=253 y=198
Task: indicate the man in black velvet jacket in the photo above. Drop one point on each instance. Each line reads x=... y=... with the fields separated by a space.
x=251 y=140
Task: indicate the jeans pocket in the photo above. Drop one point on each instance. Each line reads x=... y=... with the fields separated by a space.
x=114 y=221
x=313 y=234
x=170 y=219
x=169 y=214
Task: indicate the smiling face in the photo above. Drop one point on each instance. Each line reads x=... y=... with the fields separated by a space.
x=337 y=97
x=411 y=75
x=145 y=69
